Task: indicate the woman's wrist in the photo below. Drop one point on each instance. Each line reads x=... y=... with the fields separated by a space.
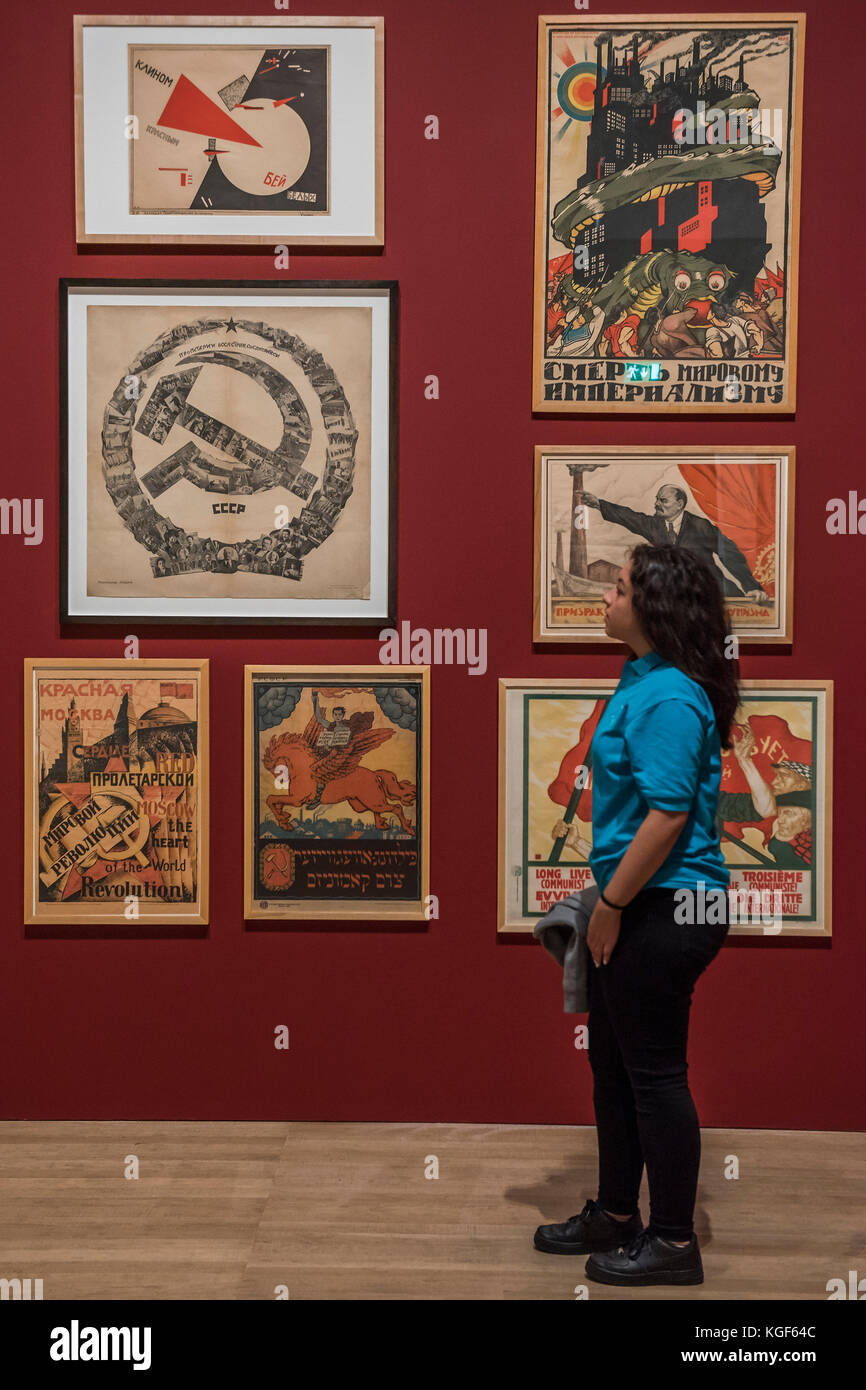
x=617 y=907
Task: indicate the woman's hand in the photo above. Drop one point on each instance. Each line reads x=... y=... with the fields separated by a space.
x=603 y=932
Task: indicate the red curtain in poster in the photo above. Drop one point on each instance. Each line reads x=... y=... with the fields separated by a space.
x=740 y=499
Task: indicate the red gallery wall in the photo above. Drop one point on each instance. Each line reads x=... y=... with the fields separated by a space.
x=440 y=1021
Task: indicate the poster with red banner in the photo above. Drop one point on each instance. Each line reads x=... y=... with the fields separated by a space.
x=545 y=793
x=774 y=806
x=774 y=813
x=732 y=507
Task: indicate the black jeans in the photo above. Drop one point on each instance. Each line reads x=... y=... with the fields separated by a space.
x=639 y=1007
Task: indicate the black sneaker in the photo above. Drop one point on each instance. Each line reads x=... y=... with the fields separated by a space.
x=591 y=1230
x=648 y=1260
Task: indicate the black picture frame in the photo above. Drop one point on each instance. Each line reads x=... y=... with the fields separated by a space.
x=380 y=615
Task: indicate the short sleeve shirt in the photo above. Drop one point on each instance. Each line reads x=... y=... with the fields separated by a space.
x=657 y=746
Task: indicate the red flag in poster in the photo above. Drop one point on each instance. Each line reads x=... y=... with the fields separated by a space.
x=559 y=266
x=561 y=788
x=774 y=743
x=774 y=279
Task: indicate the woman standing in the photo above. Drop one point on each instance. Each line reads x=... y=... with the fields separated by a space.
x=662 y=915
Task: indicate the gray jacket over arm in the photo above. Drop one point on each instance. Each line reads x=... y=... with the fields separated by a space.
x=562 y=932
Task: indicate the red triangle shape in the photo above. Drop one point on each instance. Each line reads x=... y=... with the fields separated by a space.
x=76 y=792
x=189 y=109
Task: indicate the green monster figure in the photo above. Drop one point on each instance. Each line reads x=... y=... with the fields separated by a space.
x=676 y=297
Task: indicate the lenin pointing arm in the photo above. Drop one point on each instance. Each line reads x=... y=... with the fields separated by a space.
x=639 y=522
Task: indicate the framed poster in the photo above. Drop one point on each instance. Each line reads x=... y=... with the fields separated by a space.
x=774 y=816
x=734 y=507
x=667 y=207
x=337 y=792
x=116 y=793
x=225 y=129
x=775 y=806
x=229 y=451
x=545 y=801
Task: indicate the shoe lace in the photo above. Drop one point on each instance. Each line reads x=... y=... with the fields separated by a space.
x=637 y=1244
x=587 y=1210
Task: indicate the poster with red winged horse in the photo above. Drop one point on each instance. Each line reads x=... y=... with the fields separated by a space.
x=337 y=792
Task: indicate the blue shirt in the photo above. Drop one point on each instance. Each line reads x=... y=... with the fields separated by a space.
x=657 y=746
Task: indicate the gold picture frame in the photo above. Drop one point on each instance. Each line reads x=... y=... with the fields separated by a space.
x=101 y=737
x=369 y=857
x=544 y=839
x=745 y=529
x=667 y=213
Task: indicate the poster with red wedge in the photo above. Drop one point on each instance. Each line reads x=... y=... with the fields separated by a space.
x=224 y=129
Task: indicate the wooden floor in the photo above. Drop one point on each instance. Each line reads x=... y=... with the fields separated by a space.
x=344 y=1211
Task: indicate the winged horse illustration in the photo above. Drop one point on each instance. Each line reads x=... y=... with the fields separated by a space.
x=332 y=774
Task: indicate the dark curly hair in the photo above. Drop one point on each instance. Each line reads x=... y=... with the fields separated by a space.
x=678 y=603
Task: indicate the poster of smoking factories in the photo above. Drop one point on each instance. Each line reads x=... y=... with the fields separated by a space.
x=667 y=199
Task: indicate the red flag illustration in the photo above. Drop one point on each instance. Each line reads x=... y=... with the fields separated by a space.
x=561 y=788
x=774 y=743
